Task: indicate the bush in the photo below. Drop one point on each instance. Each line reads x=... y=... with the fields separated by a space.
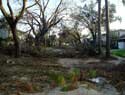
x=57 y=79
x=67 y=82
x=92 y=73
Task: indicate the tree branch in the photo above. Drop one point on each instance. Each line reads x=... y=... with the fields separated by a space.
x=46 y=5
x=54 y=23
x=3 y=10
x=22 y=10
x=32 y=5
x=36 y=19
x=10 y=9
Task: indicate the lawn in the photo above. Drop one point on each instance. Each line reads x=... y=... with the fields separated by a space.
x=119 y=52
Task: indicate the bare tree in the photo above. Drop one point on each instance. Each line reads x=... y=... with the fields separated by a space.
x=12 y=20
x=44 y=22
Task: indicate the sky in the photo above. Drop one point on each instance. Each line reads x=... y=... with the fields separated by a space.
x=119 y=8
x=120 y=12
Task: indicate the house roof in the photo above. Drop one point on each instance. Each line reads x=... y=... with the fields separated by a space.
x=121 y=30
x=122 y=37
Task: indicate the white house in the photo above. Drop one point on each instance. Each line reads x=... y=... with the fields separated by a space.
x=121 y=40
x=117 y=38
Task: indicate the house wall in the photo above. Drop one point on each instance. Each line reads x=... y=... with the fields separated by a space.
x=121 y=42
x=121 y=45
x=121 y=33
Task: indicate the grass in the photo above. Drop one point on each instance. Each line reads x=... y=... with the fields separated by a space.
x=119 y=52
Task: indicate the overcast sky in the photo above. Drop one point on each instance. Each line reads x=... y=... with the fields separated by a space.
x=119 y=6
x=120 y=12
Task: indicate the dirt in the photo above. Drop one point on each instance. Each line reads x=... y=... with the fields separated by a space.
x=90 y=63
x=26 y=74
x=31 y=74
x=113 y=69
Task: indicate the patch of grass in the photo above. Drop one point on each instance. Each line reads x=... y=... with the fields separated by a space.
x=69 y=87
x=67 y=81
x=119 y=52
x=92 y=73
x=57 y=78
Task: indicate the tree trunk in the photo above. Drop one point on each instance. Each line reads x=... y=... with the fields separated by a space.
x=40 y=37
x=93 y=37
x=39 y=40
x=94 y=41
x=99 y=27
x=16 y=42
x=107 y=30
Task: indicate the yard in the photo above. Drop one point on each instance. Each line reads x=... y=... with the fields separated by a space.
x=119 y=52
x=61 y=47
x=25 y=75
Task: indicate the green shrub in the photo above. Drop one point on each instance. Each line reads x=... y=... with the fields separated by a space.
x=58 y=79
x=67 y=83
x=61 y=80
x=92 y=73
x=73 y=75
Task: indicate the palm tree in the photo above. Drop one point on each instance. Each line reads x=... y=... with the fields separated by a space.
x=107 y=29
x=99 y=27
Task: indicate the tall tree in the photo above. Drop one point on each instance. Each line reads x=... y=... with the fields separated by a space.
x=42 y=20
x=99 y=26
x=107 y=29
x=12 y=19
x=88 y=16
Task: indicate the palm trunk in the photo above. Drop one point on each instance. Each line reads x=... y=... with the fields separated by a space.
x=107 y=30
x=99 y=27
